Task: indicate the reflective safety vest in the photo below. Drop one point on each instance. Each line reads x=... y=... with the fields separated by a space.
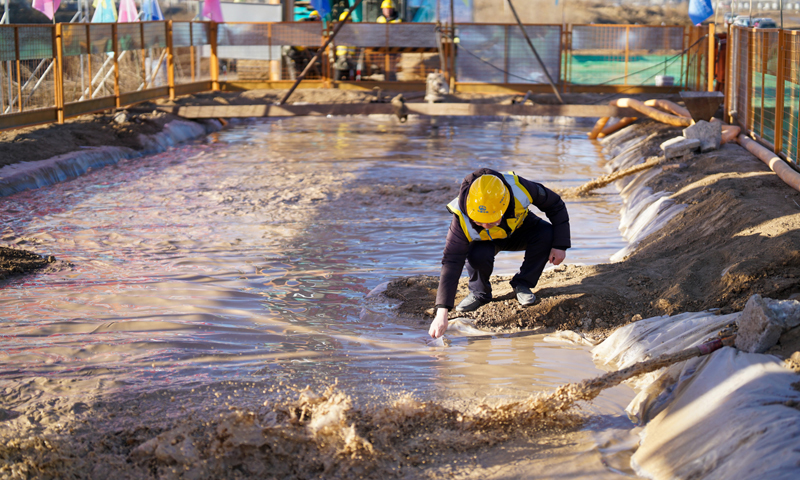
x=382 y=19
x=522 y=198
x=342 y=50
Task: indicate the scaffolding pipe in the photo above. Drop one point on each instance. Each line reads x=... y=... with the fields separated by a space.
x=319 y=53
x=535 y=53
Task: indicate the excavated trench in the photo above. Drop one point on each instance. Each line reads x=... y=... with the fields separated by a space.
x=212 y=313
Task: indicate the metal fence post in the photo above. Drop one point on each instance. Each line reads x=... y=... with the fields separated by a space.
x=750 y=54
x=19 y=71
x=561 y=57
x=58 y=44
x=144 y=55
x=214 y=61
x=627 y=51
x=779 y=92
x=729 y=80
x=89 y=61
x=170 y=61
x=687 y=40
x=506 y=53
x=191 y=49
x=387 y=63
x=711 y=63
x=764 y=55
x=115 y=47
x=698 y=74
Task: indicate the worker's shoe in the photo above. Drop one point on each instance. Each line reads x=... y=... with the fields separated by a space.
x=524 y=295
x=471 y=303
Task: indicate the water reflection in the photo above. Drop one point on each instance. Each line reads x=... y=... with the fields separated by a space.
x=252 y=253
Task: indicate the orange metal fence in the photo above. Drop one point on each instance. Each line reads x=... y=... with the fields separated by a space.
x=28 y=68
x=625 y=54
x=763 y=90
x=52 y=72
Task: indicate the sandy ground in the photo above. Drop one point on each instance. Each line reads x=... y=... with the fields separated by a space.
x=739 y=236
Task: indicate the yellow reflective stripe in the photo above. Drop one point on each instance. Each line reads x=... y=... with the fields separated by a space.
x=465 y=227
x=513 y=180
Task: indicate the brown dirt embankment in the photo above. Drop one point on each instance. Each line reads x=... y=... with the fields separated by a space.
x=739 y=235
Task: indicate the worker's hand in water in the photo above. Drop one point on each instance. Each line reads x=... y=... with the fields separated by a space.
x=557 y=256
x=439 y=324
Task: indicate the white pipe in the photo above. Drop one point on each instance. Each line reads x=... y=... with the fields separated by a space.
x=773 y=161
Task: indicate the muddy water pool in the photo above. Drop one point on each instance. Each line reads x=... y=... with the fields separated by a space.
x=249 y=256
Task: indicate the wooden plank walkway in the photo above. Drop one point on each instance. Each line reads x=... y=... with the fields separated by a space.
x=428 y=109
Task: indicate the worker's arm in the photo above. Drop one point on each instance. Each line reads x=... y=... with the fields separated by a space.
x=456 y=248
x=553 y=206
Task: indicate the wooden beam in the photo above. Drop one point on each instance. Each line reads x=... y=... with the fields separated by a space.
x=428 y=109
x=75 y=109
x=538 y=88
x=28 y=118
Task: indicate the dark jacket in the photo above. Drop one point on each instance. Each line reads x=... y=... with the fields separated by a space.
x=457 y=245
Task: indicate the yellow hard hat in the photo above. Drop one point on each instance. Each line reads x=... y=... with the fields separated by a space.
x=313 y=13
x=487 y=199
x=387 y=4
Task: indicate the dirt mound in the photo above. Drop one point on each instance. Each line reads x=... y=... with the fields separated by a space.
x=47 y=141
x=738 y=236
x=15 y=262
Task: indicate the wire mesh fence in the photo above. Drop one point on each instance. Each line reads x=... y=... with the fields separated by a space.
x=79 y=68
x=27 y=61
x=191 y=45
x=385 y=52
x=696 y=72
x=791 y=94
x=763 y=95
x=501 y=54
x=268 y=51
x=626 y=55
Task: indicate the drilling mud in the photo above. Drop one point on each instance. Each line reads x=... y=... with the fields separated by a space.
x=299 y=433
x=209 y=285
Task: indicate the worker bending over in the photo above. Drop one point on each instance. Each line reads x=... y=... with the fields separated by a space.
x=491 y=215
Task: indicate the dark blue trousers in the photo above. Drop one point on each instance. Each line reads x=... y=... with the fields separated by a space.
x=534 y=236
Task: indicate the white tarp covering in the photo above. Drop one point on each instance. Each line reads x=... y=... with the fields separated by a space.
x=643 y=212
x=728 y=415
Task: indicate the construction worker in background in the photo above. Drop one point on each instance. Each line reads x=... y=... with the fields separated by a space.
x=389 y=13
x=345 y=64
x=491 y=215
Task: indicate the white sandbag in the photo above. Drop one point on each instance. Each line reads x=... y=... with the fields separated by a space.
x=656 y=336
x=736 y=416
x=651 y=338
